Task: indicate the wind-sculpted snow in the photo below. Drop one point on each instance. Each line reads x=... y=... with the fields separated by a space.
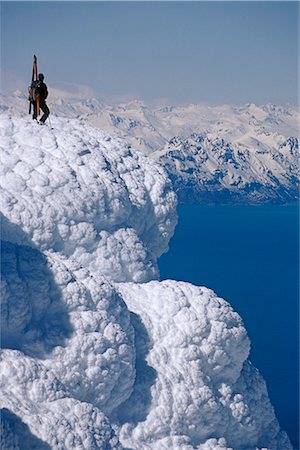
x=39 y=414
x=90 y=351
x=192 y=375
x=81 y=193
x=76 y=323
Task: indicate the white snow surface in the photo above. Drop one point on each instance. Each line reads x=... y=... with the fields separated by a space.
x=89 y=197
x=97 y=353
x=39 y=414
x=192 y=373
x=76 y=319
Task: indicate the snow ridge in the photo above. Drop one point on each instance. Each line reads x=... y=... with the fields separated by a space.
x=262 y=141
x=103 y=201
x=97 y=353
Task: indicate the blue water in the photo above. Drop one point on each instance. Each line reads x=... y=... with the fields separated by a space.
x=249 y=256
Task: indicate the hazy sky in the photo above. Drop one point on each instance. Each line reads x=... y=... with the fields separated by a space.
x=216 y=52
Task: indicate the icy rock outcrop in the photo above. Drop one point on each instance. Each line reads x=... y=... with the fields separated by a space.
x=192 y=373
x=88 y=349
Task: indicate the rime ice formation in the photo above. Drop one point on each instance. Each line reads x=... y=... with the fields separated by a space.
x=80 y=193
x=98 y=354
x=38 y=413
x=76 y=319
x=192 y=373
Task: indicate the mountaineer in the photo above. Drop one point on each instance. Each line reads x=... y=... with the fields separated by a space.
x=38 y=92
x=42 y=94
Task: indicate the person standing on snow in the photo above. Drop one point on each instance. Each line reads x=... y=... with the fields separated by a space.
x=42 y=92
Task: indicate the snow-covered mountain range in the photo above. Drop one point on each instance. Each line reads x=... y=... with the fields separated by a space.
x=97 y=352
x=210 y=170
x=213 y=154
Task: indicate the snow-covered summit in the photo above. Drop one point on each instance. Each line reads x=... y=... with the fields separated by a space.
x=99 y=354
x=77 y=191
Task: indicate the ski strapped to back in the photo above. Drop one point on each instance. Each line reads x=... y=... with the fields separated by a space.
x=33 y=97
x=31 y=87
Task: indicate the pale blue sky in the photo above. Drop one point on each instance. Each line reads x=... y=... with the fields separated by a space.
x=215 y=52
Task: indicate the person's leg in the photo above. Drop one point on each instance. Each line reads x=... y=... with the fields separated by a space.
x=45 y=110
x=34 y=110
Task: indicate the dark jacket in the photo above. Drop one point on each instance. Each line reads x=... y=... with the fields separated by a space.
x=42 y=90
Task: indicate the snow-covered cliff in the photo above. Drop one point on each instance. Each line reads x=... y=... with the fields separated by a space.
x=97 y=353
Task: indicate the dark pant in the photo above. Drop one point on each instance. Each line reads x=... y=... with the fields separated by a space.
x=34 y=110
x=45 y=110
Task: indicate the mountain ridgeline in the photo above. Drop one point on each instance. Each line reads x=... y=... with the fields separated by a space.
x=213 y=154
x=206 y=170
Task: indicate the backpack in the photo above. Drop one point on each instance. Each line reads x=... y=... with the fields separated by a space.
x=33 y=91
